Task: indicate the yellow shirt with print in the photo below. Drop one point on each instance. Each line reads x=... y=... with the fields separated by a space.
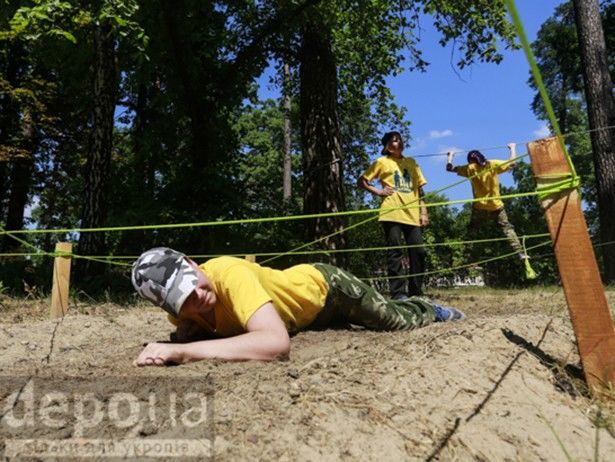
x=405 y=177
x=242 y=287
x=485 y=182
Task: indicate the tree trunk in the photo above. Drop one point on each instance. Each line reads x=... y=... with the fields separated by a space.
x=21 y=178
x=142 y=176
x=286 y=177
x=9 y=121
x=198 y=102
x=601 y=113
x=562 y=115
x=191 y=76
x=98 y=164
x=4 y=186
x=320 y=137
x=48 y=198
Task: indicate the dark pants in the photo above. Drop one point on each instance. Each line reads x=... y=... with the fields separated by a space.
x=413 y=235
x=350 y=300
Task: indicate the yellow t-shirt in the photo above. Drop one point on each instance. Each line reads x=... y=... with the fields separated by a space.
x=485 y=183
x=242 y=287
x=405 y=177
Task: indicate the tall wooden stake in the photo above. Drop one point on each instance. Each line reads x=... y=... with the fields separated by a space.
x=61 y=280
x=587 y=305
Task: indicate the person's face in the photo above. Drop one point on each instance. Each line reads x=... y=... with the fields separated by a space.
x=203 y=299
x=395 y=144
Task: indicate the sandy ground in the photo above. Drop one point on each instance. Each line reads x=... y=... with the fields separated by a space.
x=505 y=384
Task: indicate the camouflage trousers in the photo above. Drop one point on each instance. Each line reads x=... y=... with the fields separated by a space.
x=498 y=216
x=350 y=300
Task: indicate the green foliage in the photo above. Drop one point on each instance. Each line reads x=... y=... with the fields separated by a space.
x=191 y=141
x=62 y=19
x=444 y=226
x=362 y=263
x=259 y=173
x=558 y=57
x=476 y=27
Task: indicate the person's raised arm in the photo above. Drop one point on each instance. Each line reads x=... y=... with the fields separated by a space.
x=266 y=339
x=512 y=147
x=449 y=162
x=364 y=184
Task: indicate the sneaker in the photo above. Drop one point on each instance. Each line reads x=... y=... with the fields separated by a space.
x=448 y=314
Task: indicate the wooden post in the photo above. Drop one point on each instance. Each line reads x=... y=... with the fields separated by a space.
x=587 y=304
x=61 y=280
x=251 y=258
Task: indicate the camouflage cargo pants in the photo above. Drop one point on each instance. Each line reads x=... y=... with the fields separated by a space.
x=498 y=216
x=352 y=301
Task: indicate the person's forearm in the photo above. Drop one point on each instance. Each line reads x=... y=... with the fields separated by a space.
x=423 y=208
x=364 y=184
x=512 y=147
x=449 y=162
x=257 y=345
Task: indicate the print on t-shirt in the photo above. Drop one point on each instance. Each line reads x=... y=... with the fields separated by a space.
x=402 y=183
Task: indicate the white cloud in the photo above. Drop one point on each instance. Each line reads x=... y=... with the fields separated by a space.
x=543 y=131
x=433 y=134
x=418 y=143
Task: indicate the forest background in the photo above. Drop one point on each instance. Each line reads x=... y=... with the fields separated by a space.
x=122 y=113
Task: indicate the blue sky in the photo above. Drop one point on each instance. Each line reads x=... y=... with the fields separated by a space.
x=486 y=105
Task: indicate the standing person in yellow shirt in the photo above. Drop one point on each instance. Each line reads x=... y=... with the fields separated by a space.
x=401 y=182
x=486 y=186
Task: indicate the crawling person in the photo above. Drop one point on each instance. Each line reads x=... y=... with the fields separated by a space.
x=247 y=311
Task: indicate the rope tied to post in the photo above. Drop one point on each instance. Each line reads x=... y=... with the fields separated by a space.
x=556 y=183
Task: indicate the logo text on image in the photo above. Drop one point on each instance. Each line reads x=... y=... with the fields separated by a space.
x=135 y=409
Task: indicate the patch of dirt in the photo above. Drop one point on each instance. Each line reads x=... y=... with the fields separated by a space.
x=505 y=384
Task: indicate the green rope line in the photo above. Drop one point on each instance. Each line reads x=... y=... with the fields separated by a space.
x=454 y=268
x=514 y=14
x=450 y=269
x=529 y=236
x=22 y=242
x=565 y=182
x=359 y=249
x=378 y=211
x=268 y=219
x=41 y=252
x=106 y=258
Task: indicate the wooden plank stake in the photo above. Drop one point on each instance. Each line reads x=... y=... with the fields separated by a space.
x=61 y=280
x=587 y=304
x=251 y=258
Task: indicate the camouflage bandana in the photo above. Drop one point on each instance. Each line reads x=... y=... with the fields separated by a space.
x=164 y=277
